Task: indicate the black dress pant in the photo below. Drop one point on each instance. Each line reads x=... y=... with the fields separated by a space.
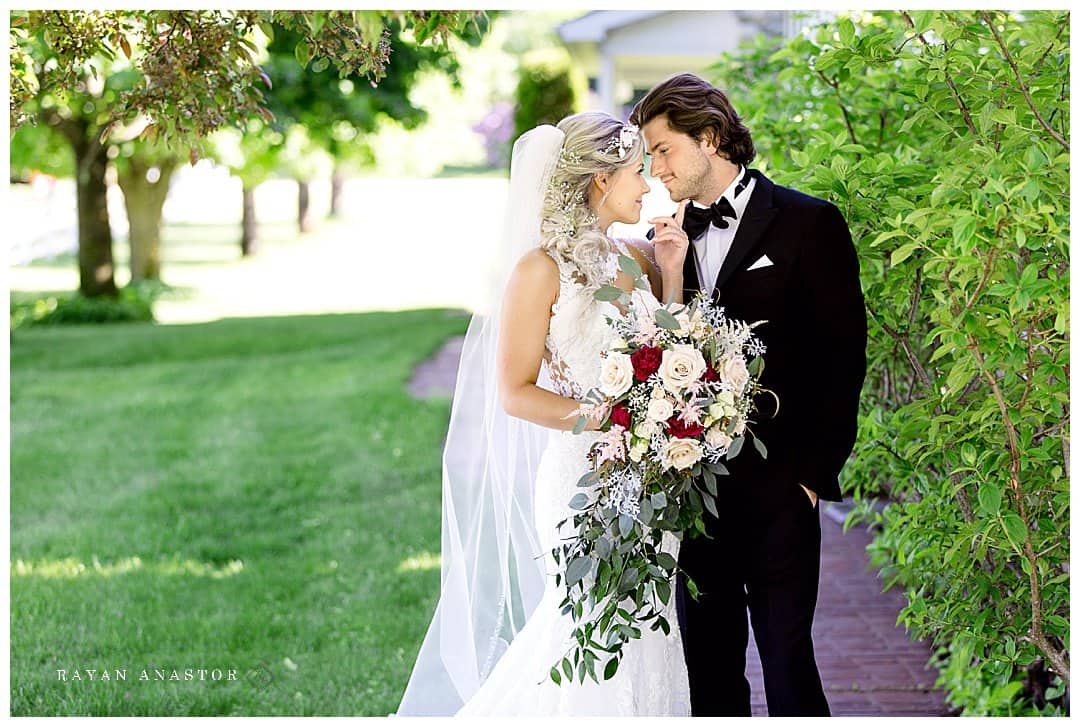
x=764 y=557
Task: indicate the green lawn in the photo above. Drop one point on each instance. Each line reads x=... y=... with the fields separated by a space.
x=251 y=494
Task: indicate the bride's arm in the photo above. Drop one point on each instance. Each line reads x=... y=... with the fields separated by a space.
x=526 y=312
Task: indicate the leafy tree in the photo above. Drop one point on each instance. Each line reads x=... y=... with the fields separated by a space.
x=548 y=89
x=943 y=137
x=87 y=74
x=338 y=112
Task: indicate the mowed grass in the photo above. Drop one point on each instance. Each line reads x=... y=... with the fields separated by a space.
x=261 y=495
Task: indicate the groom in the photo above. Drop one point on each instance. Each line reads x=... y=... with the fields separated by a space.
x=764 y=252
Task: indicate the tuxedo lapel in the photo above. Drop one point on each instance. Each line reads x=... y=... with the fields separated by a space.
x=759 y=213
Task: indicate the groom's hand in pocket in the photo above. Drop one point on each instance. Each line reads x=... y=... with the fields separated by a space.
x=809 y=493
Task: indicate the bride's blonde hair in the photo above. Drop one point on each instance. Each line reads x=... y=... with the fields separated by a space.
x=569 y=227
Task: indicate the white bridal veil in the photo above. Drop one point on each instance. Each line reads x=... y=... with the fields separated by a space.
x=492 y=564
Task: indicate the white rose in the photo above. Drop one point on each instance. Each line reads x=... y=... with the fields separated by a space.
x=717 y=437
x=681 y=365
x=660 y=410
x=684 y=323
x=680 y=454
x=638 y=451
x=619 y=343
x=646 y=429
x=733 y=371
x=616 y=374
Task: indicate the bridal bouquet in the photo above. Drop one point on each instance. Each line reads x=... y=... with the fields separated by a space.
x=675 y=397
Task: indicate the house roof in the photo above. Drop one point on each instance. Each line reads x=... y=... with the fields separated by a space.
x=593 y=27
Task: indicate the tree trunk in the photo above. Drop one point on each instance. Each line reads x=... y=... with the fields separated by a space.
x=304 y=216
x=144 y=201
x=249 y=235
x=96 y=272
x=337 y=182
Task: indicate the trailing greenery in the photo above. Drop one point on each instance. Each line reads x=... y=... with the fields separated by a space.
x=549 y=89
x=255 y=494
x=943 y=137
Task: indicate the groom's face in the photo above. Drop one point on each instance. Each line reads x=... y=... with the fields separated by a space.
x=680 y=162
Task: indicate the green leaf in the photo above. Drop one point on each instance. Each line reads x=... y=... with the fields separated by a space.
x=608 y=293
x=736 y=447
x=611 y=667
x=568 y=668
x=1015 y=527
x=710 y=505
x=659 y=500
x=579 y=501
x=760 y=447
x=903 y=252
x=847 y=31
x=303 y=53
x=555 y=677
x=989 y=498
x=579 y=425
x=665 y=320
x=626 y=524
x=629 y=266
x=663 y=591
x=963 y=229
x=710 y=480
x=646 y=512
x=579 y=568
x=666 y=561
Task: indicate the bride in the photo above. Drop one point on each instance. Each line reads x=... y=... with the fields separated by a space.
x=512 y=463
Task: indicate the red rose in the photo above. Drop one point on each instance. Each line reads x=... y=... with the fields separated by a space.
x=710 y=373
x=676 y=427
x=620 y=415
x=646 y=361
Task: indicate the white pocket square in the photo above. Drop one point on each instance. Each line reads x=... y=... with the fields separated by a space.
x=762 y=262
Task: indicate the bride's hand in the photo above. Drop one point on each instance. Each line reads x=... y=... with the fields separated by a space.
x=670 y=242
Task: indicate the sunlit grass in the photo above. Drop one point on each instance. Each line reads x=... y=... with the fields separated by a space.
x=252 y=494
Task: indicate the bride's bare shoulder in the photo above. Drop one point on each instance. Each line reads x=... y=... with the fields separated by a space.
x=535 y=273
x=537 y=265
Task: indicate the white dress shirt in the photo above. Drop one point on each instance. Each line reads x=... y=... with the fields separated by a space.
x=711 y=247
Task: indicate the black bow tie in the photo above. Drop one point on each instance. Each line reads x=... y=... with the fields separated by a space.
x=697 y=219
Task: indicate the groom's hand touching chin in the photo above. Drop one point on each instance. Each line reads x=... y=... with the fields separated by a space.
x=809 y=493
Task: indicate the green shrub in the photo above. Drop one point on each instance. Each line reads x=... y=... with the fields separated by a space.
x=548 y=89
x=943 y=137
x=134 y=303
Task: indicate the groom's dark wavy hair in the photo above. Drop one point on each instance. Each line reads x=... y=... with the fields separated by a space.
x=694 y=106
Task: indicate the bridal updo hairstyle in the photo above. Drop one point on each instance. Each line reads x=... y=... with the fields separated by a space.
x=693 y=107
x=568 y=227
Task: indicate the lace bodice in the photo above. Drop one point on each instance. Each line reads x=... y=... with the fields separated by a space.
x=578 y=331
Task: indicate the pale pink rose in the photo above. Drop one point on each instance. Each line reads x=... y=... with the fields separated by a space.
x=660 y=410
x=680 y=454
x=717 y=437
x=733 y=371
x=616 y=374
x=681 y=365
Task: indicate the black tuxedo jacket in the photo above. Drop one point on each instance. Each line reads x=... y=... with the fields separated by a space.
x=815 y=337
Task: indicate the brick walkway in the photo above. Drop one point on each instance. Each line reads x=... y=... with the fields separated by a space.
x=868 y=665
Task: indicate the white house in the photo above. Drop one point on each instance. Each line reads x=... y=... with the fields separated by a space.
x=626 y=52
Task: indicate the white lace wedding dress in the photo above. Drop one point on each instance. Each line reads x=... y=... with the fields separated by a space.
x=651 y=679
